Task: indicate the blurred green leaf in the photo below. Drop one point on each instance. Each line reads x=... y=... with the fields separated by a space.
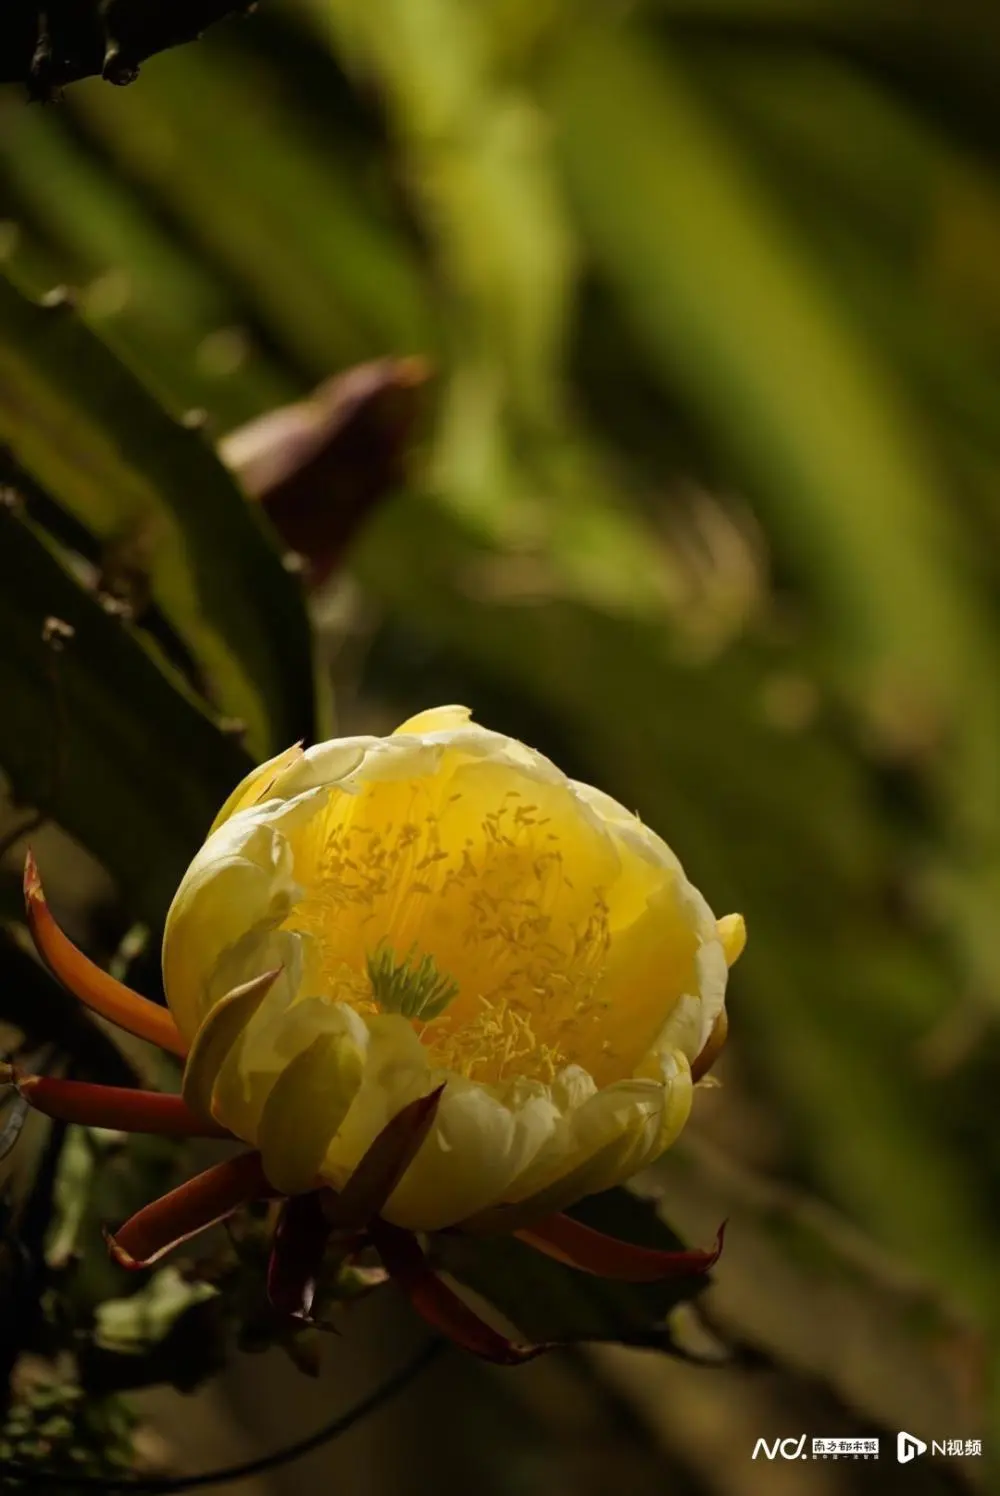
x=725 y=297
x=55 y=1424
x=945 y=61
x=733 y=315
x=273 y=200
x=98 y=733
x=476 y=155
x=173 y=317
x=82 y=425
x=171 y=1331
x=103 y=1179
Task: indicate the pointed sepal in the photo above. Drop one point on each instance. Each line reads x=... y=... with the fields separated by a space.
x=97 y=989
x=189 y=1209
x=117 y=1107
x=439 y=1304
x=383 y=1165
x=297 y=1256
x=576 y=1245
x=219 y=1031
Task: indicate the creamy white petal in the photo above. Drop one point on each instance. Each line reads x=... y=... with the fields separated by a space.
x=610 y=1115
x=618 y=1131
x=255 y=785
x=713 y=974
x=476 y=1147
x=240 y=885
x=276 y=1036
x=397 y=1071
x=571 y=1088
x=682 y=1030
x=308 y=1101
x=634 y=835
x=323 y=765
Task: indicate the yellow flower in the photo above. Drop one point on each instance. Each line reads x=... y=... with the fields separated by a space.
x=433 y=983
x=444 y=907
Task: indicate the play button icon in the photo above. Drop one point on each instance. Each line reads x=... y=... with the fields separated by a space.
x=908 y=1446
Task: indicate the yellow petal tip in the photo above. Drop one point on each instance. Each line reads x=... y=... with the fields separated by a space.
x=436 y=719
x=733 y=935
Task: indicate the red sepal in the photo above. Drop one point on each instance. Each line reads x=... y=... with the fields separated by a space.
x=383 y=1165
x=297 y=1255
x=118 y=1107
x=192 y=1207
x=571 y=1242
x=438 y=1304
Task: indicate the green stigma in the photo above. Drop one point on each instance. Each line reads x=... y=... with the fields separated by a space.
x=414 y=988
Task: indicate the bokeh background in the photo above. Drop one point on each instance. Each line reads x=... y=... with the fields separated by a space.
x=698 y=491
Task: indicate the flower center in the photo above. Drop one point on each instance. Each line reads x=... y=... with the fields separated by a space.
x=452 y=904
x=411 y=987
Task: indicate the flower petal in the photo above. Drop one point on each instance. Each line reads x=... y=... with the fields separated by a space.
x=194 y=1206
x=216 y=1037
x=733 y=934
x=479 y=1145
x=694 y=1016
x=650 y=967
x=305 y=1108
x=240 y=887
x=666 y=975
x=282 y=1027
x=629 y=829
x=610 y=1137
x=396 y=1073
x=323 y=766
x=94 y=987
x=255 y=785
x=435 y=719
